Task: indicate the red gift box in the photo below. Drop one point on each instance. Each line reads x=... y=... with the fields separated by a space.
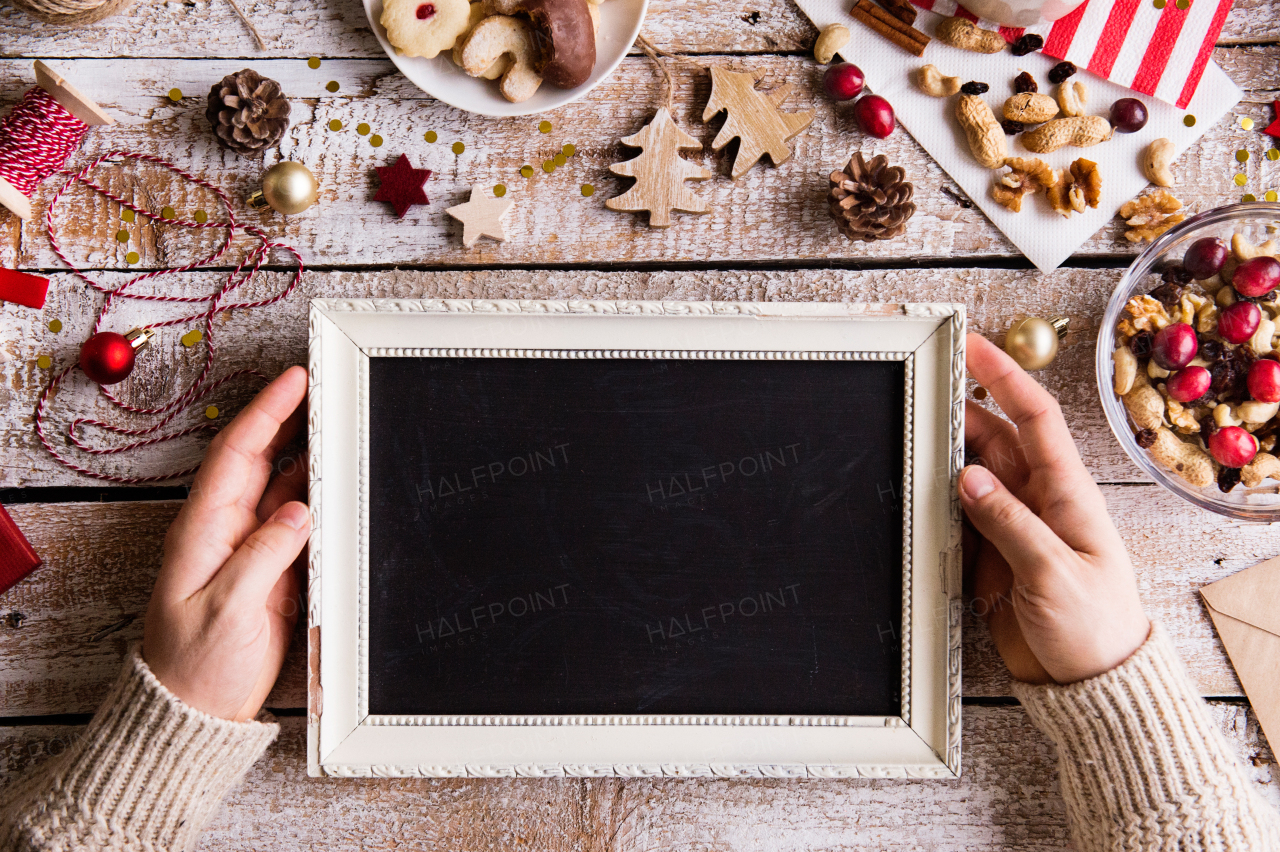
x=17 y=557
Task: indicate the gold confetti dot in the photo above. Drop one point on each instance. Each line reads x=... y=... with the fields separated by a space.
x=332 y=85
x=167 y=213
x=1273 y=154
x=548 y=166
x=127 y=215
x=588 y=190
x=131 y=257
x=544 y=127
x=375 y=140
x=1242 y=156
x=201 y=216
x=430 y=136
x=55 y=325
x=1159 y=4
x=122 y=236
x=335 y=125
x=313 y=62
x=979 y=393
x=1249 y=196
x=526 y=171
x=44 y=362
x=559 y=159
x=362 y=129
x=1246 y=122
x=211 y=412
x=1241 y=180
x=1183 y=4
x=458 y=147
x=175 y=95
x=192 y=337
x=1189 y=120
x=1271 y=195
x=568 y=150
x=499 y=191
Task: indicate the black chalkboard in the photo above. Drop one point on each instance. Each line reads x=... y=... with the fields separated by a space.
x=554 y=536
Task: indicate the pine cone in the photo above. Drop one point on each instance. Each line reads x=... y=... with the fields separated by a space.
x=870 y=200
x=248 y=112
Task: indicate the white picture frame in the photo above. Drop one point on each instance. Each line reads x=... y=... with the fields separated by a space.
x=344 y=740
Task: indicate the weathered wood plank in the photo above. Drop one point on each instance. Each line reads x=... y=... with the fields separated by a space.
x=771 y=214
x=1006 y=799
x=80 y=612
x=338 y=28
x=274 y=337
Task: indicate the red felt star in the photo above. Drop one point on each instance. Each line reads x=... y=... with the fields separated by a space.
x=1273 y=129
x=401 y=185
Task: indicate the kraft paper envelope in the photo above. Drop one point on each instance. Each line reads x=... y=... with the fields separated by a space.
x=1245 y=608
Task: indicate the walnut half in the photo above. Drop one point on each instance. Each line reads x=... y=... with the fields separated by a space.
x=1026 y=175
x=1149 y=216
x=1079 y=187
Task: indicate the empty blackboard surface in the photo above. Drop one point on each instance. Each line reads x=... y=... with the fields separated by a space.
x=558 y=536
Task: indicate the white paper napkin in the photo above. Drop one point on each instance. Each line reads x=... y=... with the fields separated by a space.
x=1046 y=238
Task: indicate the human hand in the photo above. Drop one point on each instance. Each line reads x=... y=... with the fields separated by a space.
x=225 y=602
x=1049 y=567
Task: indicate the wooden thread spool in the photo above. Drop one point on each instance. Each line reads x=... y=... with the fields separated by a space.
x=79 y=109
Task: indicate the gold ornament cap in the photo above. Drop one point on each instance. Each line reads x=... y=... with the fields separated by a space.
x=287 y=188
x=1033 y=342
x=139 y=337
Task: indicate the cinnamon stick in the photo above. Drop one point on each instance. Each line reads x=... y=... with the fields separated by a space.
x=903 y=35
x=900 y=9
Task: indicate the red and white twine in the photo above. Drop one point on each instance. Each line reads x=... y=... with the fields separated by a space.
x=212 y=305
x=36 y=139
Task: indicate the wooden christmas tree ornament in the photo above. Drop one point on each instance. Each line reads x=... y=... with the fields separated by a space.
x=753 y=118
x=660 y=173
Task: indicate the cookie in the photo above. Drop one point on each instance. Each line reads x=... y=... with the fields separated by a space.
x=478 y=13
x=501 y=36
x=425 y=27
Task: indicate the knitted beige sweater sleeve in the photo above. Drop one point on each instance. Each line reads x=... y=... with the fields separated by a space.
x=145 y=776
x=1142 y=765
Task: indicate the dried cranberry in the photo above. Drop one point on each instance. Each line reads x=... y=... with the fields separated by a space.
x=1011 y=127
x=1029 y=43
x=1146 y=438
x=1060 y=72
x=1167 y=293
x=426 y=10
x=1140 y=343
x=1207 y=427
x=1176 y=273
x=1024 y=83
x=1228 y=478
x=973 y=87
x=1211 y=350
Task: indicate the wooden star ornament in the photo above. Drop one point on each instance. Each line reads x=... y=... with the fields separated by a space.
x=754 y=118
x=401 y=185
x=481 y=216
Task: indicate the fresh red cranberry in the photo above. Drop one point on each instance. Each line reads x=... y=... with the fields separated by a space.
x=1189 y=383
x=1233 y=446
x=843 y=82
x=1256 y=277
x=1238 y=322
x=1264 y=380
x=1174 y=346
x=874 y=116
x=426 y=10
x=1205 y=258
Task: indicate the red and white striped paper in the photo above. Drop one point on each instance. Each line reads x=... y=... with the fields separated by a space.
x=1157 y=52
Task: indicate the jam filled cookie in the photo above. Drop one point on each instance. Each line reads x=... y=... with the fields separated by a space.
x=425 y=27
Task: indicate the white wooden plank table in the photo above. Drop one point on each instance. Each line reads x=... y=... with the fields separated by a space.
x=63 y=631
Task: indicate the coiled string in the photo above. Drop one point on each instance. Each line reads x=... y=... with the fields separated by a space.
x=36 y=139
x=212 y=305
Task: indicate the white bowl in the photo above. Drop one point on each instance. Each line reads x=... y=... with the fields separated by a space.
x=620 y=22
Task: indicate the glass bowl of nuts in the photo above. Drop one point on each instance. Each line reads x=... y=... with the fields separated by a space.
x=1187 y=361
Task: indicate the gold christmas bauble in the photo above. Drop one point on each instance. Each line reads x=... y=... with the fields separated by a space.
x=1033 y=342
x=287 y=187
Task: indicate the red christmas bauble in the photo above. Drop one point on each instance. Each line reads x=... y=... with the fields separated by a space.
x=107 y=357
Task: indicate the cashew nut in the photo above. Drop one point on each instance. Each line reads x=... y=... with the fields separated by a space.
x=498 y=36
x=1253 y=411
x=986 y=136
x=1226 y=297
x=1264 y=466
x=931 y=81
x=1261 y=340
x=1223 y=416
x=830 y=41
x=1146 y=406
x=1156 y=159
x=1185 y=459
x=1126 y=368
x=1072 y=96
x=1155 y=371
x=1245 y=250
